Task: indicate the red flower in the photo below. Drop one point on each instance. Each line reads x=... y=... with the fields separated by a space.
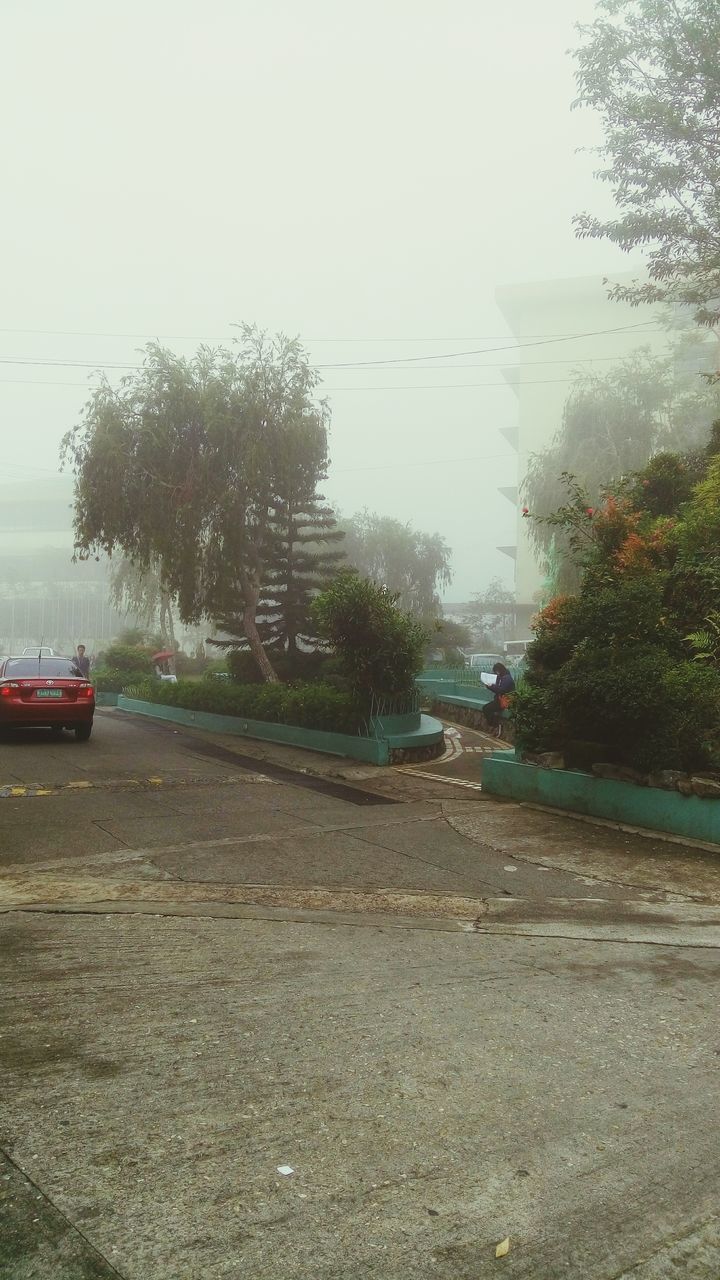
x=590 y=511
x=526 y=511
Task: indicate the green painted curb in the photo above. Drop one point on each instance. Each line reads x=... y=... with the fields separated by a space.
x=650 y=807
x=372 y=750
x=106 y=699
x=426 y=731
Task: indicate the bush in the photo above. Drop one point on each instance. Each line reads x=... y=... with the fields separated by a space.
x=134 y=659
x=111 y=680
x=310 y=706
x=188 y=665
x=379 y=648
x=652 y=711
x=288 y=666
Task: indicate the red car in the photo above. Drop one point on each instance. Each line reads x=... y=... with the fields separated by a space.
x=45 y=693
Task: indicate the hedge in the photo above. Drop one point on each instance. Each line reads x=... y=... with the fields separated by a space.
x=310 y=706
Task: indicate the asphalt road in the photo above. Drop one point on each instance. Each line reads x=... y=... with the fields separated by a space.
x=453 y=1020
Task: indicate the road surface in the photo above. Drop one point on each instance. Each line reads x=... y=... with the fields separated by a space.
x=452 y=1019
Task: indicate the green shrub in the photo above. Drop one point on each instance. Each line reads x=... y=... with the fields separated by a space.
x=378 y=647
x=314 y=665
x=652 y=711
x=311 y=706
x=132 y=658
x=111 y=680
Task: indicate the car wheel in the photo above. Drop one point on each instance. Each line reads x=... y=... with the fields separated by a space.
x=83 y=731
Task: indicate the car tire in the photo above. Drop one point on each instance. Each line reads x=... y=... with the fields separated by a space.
x=83 y=731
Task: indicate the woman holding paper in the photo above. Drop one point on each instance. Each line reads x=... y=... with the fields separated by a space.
x=502 y=686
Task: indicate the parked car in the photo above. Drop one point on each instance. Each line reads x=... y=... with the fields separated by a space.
x=45 y=692
x=39 y=651
x=483 y=661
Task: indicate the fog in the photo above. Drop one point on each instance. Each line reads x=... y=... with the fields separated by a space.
x=363 y=176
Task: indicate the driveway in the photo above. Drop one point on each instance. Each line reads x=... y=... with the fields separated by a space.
x=342 y=1023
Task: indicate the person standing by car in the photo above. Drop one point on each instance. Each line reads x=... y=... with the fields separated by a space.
x=502 y=688
x=82 y=662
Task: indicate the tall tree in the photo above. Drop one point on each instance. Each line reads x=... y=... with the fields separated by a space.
x=303 y=559
x=412 y=565
x=650 y=68
x=493 y=611
x=182 y=464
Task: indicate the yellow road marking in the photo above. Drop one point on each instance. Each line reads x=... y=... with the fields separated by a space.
x=18 y=791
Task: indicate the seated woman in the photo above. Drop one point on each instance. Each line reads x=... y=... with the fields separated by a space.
x=501 y=689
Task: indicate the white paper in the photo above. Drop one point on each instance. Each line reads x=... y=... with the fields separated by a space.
x=488 y=678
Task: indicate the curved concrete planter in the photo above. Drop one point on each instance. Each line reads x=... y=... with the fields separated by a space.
x=106 y=699
x=651 y=807
x=424 y=734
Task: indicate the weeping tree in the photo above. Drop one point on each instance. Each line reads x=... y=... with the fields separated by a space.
x=142 y=593
x=181 y=466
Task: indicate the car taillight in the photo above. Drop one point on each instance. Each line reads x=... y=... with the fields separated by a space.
x=87 y=692
x=6 y=689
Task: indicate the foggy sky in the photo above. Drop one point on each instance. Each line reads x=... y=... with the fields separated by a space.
x=339 y=171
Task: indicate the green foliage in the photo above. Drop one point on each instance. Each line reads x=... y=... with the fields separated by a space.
x=615 y=662
x=311 y=706
x=650 y=69
x=612 y=425
x=131 y=658
x=379 y=647
x=141 y=592
x=447 y=636
x=115 y=680
x=313 y=665
x=653 y=711
x=490 y=614
x=663 y=485
x=706 y=641
x=303 y=557
x=413 y=566
x=179 y=469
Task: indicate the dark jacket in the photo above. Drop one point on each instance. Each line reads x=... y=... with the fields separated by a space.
x=503 y=684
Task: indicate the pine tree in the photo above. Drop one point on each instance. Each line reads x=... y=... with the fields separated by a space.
x=302 y=558
x=306 y=558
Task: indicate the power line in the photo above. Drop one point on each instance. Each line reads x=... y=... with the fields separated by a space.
x=402 y=361
x=481 y=351
x=188 y=337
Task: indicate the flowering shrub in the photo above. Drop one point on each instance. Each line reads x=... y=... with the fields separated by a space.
x=615 y=664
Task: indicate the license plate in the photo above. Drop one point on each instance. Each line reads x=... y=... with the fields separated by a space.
x=49 y=693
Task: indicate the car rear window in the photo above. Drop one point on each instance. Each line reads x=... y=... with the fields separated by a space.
x=50 y=668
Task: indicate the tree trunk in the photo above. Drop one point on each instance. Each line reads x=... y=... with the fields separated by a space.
x=251 y=595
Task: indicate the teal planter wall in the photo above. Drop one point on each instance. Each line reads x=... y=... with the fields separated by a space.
x=372 y=750
x=407 y=731
x=391 y=733
x=651 y=807
x=447 y=689
x=106 y=699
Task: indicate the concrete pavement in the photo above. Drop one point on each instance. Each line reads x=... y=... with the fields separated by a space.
x=454 y=1020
